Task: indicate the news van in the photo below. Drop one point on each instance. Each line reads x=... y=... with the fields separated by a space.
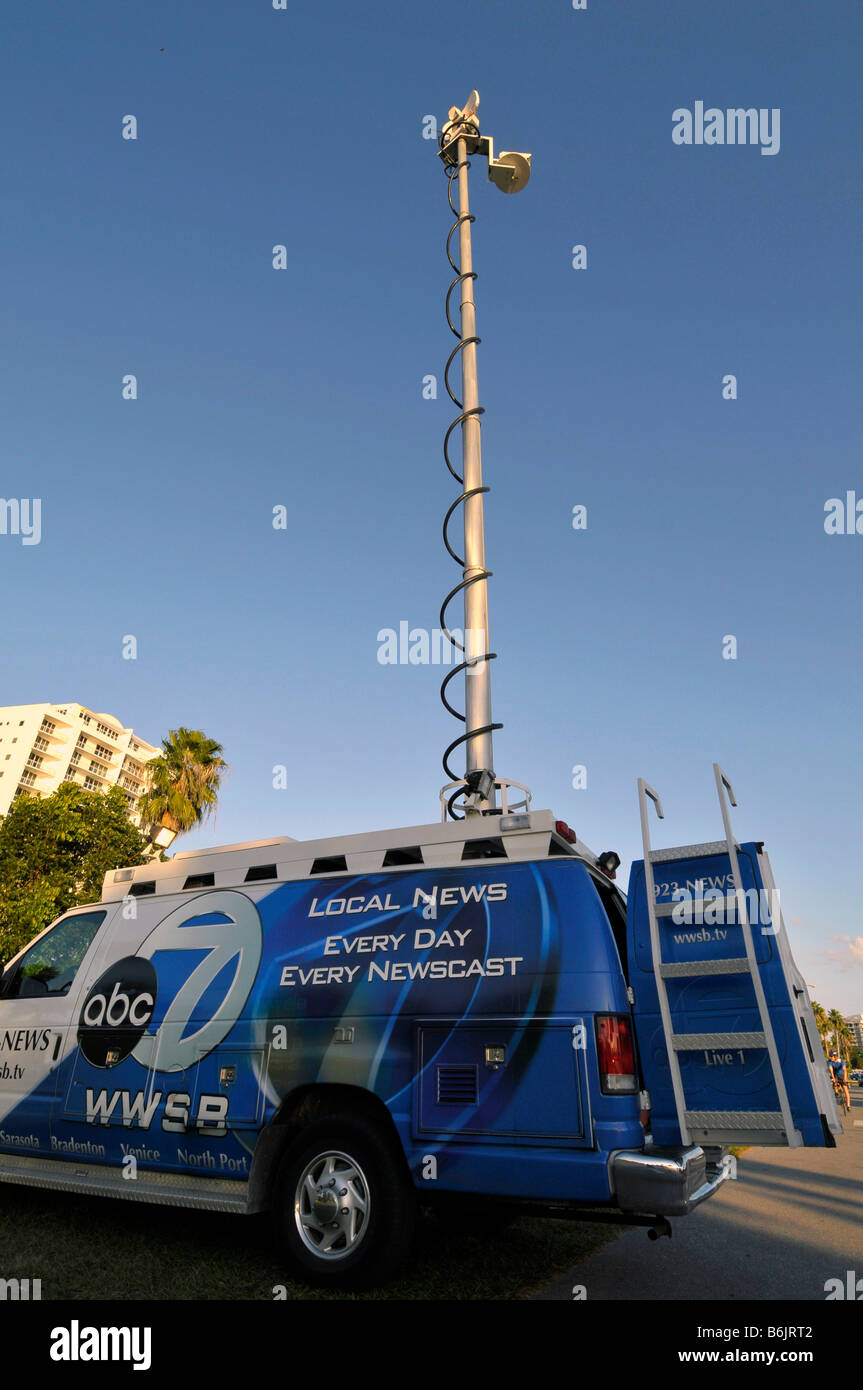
x=469 y=1012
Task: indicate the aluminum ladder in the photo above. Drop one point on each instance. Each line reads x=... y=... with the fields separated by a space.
x=712 y=1126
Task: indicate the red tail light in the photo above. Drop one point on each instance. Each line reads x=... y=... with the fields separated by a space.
x=616 y=1055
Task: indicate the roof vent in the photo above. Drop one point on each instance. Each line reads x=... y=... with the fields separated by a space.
x=407 y=854
x=484 y=849
x=555 y=846
x=142 y=890
x=200 y=881
x=258 y=872
x=330 y=864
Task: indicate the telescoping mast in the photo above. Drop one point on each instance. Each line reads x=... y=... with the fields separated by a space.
x=476 y=793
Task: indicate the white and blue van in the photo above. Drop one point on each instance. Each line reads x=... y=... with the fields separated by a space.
x=468 y=1011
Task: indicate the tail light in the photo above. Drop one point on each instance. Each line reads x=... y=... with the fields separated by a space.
x=616 y=1055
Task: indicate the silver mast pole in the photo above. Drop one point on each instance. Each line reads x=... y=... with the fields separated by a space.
x=477 y=678
x=510 y=172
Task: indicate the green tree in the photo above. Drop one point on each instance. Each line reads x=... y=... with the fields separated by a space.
x=842 y=1035
x=184 y=781
x=54 y=854
x=821 y=1023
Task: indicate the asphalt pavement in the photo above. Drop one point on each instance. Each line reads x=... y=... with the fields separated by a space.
x=790 y=1221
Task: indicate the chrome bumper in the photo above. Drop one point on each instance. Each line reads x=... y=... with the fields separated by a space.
x=666 y=1182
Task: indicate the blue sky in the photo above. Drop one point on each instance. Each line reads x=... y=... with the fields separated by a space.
x=303 y=387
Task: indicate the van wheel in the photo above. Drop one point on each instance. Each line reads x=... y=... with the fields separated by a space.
x=345 y=1203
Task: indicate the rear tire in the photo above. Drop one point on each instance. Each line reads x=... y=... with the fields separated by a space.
x=345 y=1203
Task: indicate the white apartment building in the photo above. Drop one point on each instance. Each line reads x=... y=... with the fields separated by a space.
x=44 y=745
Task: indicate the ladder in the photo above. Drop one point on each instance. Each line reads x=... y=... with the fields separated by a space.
x=712 y=1126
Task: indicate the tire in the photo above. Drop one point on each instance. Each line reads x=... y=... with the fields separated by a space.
x=346 y=1206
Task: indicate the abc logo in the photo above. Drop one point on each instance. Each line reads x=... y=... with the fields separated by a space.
x=117 y=1011
x=225 y=927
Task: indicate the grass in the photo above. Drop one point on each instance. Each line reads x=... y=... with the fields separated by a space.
x=97 y=1248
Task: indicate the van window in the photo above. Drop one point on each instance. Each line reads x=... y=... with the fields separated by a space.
x=615 y=911
x=50 y=966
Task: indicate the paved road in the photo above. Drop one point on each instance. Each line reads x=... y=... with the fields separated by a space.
x=792 y=1220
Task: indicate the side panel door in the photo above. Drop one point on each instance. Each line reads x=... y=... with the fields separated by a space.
x=464 y=1089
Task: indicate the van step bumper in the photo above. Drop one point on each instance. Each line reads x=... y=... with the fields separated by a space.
x=667 y=1181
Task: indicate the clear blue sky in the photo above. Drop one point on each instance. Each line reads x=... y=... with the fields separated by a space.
x=303 y=387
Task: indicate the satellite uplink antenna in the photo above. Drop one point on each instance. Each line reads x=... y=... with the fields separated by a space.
x=476 y=793
x=509 y=172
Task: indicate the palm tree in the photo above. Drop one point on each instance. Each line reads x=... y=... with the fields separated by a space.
x=841 y=1031
x=184 y=781
x=821 y=1023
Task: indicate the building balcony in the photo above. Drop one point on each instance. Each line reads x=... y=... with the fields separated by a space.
x=106 y=761
x=62 y=721
x=52 y=737
x=30 y=770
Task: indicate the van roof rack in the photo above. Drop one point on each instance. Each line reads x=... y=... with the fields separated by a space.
x=507 y=836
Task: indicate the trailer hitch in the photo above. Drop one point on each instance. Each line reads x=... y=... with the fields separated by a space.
x=660 y=1227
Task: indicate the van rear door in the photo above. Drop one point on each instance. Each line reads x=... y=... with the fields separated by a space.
x=729 y=1046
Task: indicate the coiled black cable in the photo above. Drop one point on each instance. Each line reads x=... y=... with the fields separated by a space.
x=451 y=171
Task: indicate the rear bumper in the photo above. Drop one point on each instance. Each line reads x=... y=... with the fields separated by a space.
x=666 y=1181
